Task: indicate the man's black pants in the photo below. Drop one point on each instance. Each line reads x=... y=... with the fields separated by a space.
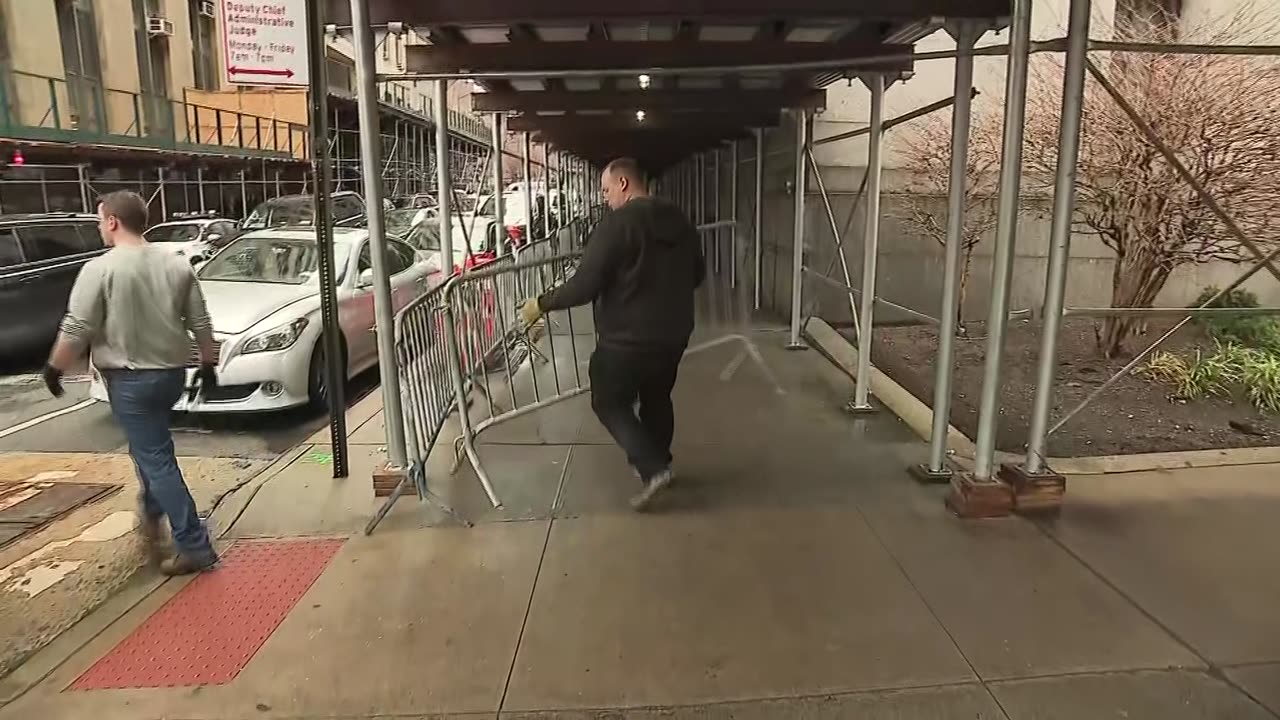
x=622 y=376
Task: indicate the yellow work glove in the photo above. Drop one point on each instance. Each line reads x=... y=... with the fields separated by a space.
x=530 y=313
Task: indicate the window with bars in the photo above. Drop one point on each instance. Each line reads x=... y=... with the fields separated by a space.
x=82 y=63
x=153 y=69
x=204 y=46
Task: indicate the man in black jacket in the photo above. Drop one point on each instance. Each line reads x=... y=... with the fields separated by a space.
x=640 y=268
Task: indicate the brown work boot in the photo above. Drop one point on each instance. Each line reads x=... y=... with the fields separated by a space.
x=152 y=535
x=182 y=564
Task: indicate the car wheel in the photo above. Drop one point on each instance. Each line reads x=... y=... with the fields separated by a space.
x=318 y=378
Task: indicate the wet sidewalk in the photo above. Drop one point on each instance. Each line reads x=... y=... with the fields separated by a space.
x=794 y=571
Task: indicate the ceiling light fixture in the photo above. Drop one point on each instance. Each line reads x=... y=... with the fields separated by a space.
x=644 y=82
x=640 y=116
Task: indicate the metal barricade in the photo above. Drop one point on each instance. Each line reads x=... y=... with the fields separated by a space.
x=505 y=353
x=463 y=347
x=482 y=341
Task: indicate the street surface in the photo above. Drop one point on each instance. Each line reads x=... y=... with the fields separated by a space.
x=31 y=420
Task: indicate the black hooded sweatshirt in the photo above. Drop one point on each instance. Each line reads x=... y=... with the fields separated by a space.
x=640 y=267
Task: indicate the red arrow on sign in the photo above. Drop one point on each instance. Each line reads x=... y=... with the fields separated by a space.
x=259 y=71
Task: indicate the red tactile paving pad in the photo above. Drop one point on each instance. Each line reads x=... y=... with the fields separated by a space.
x=209 y=631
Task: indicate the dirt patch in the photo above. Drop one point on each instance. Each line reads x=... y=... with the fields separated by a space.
x=1135 y=415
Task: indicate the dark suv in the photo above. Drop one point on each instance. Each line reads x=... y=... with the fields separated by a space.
x=40 y=257
x=346 y=208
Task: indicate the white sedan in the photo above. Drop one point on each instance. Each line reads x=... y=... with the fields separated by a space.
x=263 y=294
x=195 y=238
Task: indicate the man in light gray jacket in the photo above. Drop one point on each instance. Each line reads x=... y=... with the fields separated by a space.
x=135 y=309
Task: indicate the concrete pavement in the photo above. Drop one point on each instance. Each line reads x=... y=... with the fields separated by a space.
x=795 y=572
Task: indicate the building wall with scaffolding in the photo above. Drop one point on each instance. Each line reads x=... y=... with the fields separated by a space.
x=904 y=280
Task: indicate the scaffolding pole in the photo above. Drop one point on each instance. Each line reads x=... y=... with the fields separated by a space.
x=870 y=244
x=370 y=165
x=733 y=213
x=444 y=186
x=499 y=201
x=1015 y=106
x=757 y=243
x=797 y=234
x=1064 y=196
x=966 y=34
x=526 y=172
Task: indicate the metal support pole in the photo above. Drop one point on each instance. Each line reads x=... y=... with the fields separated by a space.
x=797 y=246
x=1015 y=108
x=733 y=213
x=870 y=243
x=164 y=203
x=1064 y=196
x=758 y=229
x=526 y=172
x=966 y=37
x=244 y=194
x=444 y=187
x=546 y=190
x=499 y=202
x=715 y=204
x=83 y=180
x=700 y=199
x=200 y=186
x=370 y=168
x=331 y=336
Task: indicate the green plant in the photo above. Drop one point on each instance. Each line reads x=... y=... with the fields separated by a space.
x=1229 y=368
x=1260 y=378
x=1253 y=331
x=1165 y=367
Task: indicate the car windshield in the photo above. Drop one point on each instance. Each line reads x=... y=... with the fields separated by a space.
x=290 y=261
x=399 y=222
x=173 y=233
x=281 y=211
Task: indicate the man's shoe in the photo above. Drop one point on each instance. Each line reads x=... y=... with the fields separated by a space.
x=152 y=535
x=640 y=502
x=182 y=564
x=636 y=474
x=152 y=539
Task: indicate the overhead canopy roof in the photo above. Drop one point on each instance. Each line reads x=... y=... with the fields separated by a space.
x=569 y=71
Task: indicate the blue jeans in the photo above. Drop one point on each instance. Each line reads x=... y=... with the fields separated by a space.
x=141 y=401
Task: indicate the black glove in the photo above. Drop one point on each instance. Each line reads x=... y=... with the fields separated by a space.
x=52 y=380
x=208 y=378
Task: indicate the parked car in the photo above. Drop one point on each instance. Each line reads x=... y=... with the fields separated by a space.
x=40 y=258
x=196 y=238
x=421 y=229
x=263 y=294
x=347 y=209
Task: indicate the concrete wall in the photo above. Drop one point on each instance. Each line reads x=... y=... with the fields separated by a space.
x=910 y=265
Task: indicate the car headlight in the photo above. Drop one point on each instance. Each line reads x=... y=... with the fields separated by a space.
x=277 y=339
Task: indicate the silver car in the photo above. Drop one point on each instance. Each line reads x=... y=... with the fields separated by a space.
x=263 y=293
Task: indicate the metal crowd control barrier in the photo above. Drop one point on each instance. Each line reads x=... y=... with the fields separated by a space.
x=506 y=347
x=526 y=351
x=481 y=339
x=463 y=347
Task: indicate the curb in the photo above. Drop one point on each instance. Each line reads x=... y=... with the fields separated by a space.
x=899 y=401
x=919 y=417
